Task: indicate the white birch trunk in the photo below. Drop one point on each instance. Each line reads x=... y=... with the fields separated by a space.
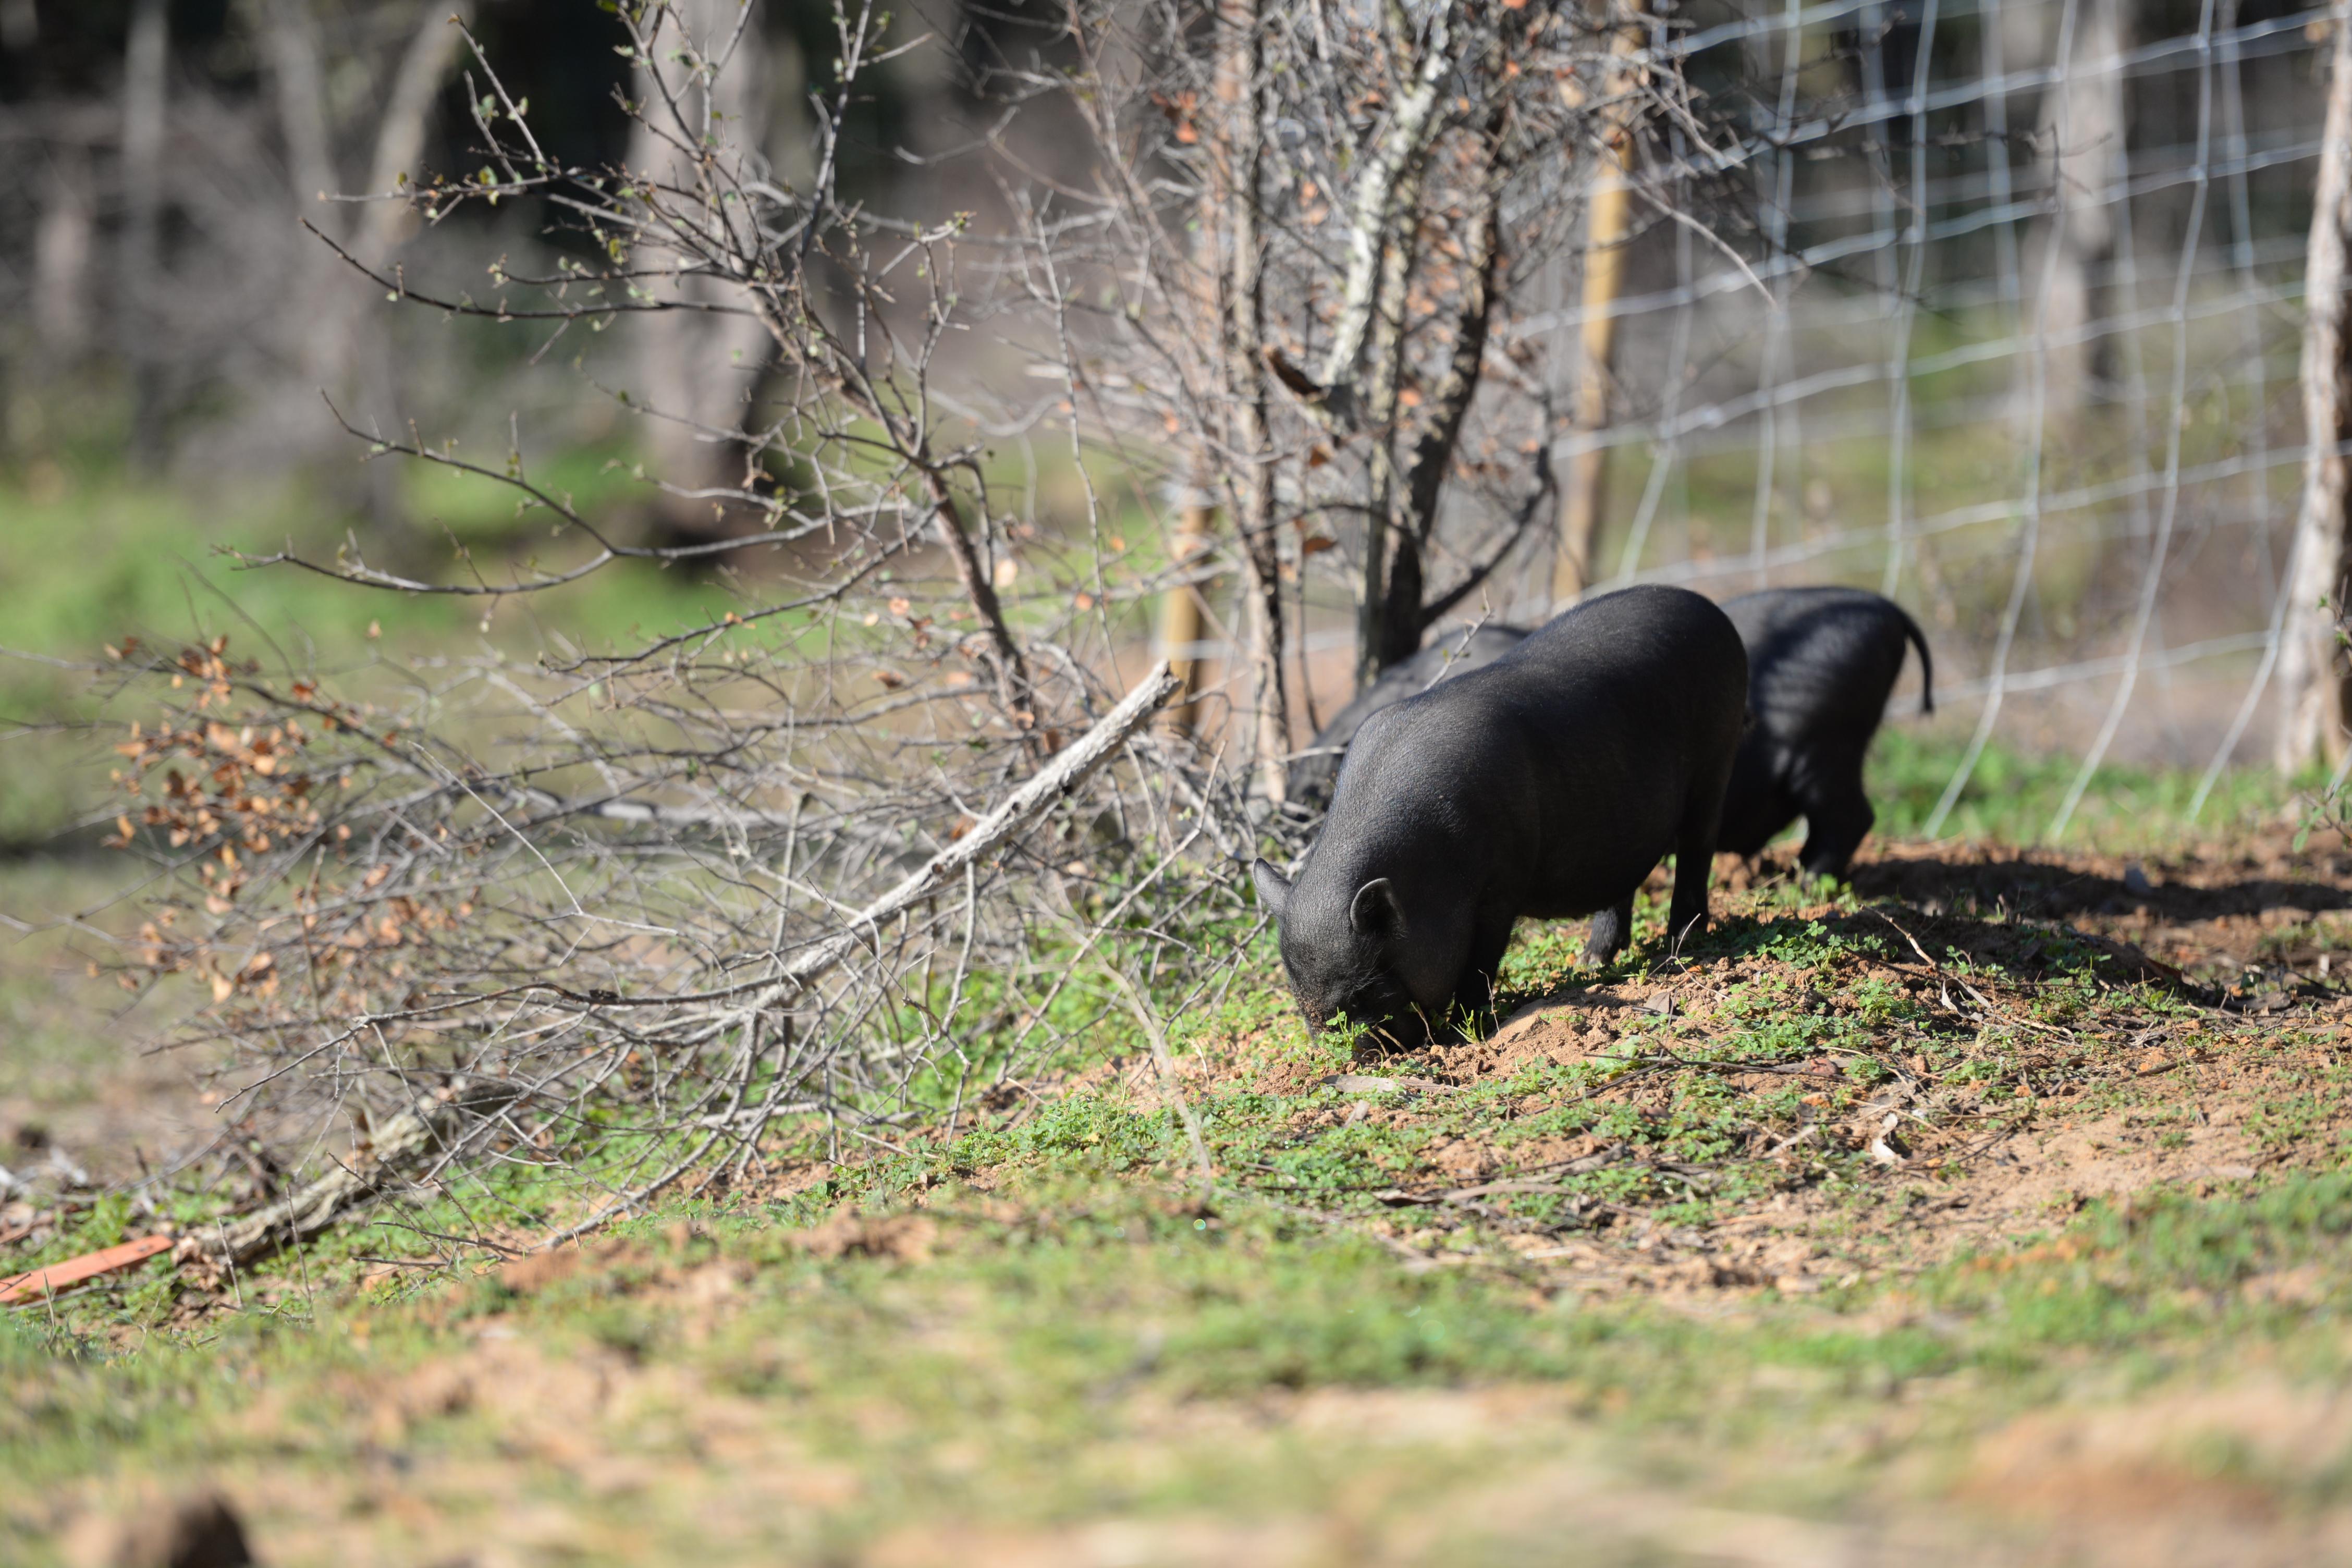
x=2314 y=697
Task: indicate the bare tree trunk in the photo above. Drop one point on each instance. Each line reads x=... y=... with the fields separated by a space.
x=1607 y=214
x=1240 y=36
x=407 y=116
x=61 y=253
x=362 y=349
x=2082 y=137
x=2315 y=687
x=289 y=38
x=145 y=85
x=291 y=41
x=1409 y=614
x=695 y=370
x=1379 y=644
x=1180 y=620
x=337 y=337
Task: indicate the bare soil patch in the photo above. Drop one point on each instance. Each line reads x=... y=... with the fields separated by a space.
x=2049 y=1029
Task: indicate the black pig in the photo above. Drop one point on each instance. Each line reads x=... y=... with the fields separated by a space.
x=1547 y=783
x=1456 y=652
x=1821 y=664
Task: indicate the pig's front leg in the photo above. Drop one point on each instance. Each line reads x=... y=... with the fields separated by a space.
x=1474 y=999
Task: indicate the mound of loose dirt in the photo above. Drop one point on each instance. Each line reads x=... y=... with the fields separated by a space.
x=2191 y=995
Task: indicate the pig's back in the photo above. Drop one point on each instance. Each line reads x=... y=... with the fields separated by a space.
x=1563 y=771
x=1453 y=655
x=1821 y=661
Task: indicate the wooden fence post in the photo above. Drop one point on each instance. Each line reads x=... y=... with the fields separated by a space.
x=1180 y=606
x=1607 y=215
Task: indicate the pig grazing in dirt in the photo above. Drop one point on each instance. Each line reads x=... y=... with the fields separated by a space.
x=1821 y=664
x=1456 y=652
x=1547 y=783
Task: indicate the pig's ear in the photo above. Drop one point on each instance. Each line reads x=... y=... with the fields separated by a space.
x=1272 y=891
x=1376 y=912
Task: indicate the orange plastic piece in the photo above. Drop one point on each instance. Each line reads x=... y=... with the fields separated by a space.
x=41 y=1282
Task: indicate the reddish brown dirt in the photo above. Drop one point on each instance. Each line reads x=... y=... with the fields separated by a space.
x=2108 y=1103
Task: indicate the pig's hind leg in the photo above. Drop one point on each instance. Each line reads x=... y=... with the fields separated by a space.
x=1694 y=864
x=1612 y=930
x=1686 y=916
x=1838 y=817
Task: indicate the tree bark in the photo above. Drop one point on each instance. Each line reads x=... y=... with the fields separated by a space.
x=1383 y=205
x=290 y=42
x=2082 y=136
x=322 y=339
x=1240 y=39
x=2315 y=689
x=336 y=333
x=407 y=116
x=1375 y=400
x=61 y=254
x=1408 y=615
x=146 y=86
x=385 y=227
x=695 y=370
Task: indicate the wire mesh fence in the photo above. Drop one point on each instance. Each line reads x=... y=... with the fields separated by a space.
x=1992 y=307
x=2032 y=267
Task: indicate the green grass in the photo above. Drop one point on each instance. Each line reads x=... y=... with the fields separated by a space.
x=65 y=1076
x=1077 y=1332
x=1009 y=1380
x=2012 y=797
x=101 y=558
x=94 y=560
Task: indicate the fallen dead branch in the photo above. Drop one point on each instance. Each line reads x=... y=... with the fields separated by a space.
x=1052 y=783
x=439 y=1126
x=436 y=1125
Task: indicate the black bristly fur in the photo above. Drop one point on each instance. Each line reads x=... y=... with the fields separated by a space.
x=1822 y=663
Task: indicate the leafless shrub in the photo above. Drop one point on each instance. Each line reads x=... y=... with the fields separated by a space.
x=629 y=890
x=833 y=855
x=813 y=860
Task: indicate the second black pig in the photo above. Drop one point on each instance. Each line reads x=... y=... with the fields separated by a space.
x=1546 y=784
x=1821 y=662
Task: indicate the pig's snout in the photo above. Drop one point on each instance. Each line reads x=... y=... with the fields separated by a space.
x=1382 y=1009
